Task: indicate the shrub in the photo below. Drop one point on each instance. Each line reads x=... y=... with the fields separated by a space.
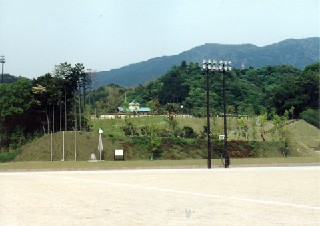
x=8 y=156
x=311 y=116
x=188 y=132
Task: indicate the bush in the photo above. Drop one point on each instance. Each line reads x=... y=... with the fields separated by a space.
x=188 y=132
x=143 y=141
x=266 y=149
x=8 y=156
x=311 y=116
x=182 y=148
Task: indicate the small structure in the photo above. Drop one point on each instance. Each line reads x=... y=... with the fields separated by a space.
x=119 y=154
x=134 y=107
x=92 y=158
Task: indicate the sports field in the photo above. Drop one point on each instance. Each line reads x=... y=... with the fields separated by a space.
x=236 y=196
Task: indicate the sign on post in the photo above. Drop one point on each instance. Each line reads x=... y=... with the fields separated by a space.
x=118 y=154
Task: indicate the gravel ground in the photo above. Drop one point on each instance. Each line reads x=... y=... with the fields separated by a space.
x=236 y=196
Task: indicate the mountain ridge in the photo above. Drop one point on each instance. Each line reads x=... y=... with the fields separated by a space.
x=295 y=52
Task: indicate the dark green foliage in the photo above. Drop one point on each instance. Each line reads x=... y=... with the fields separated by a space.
x=142 y=141
x=311 y=116
x=248 y=92
x=188 y=132
x=310 y=83
x=294 y=88
x=28 y=108
x=107 y=99
x=180 y=148
x=8 y=156
x=9 y=79
x=129 y=129
x=174 y=85
x=266 y=148
x=16 y=101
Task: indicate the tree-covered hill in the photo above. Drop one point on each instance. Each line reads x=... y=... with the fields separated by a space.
x=250 y=91
x=8 y=79
x=294 y=52
x=61 y=101
x=253 y=91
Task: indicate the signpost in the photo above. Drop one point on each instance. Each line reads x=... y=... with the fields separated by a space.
x=118 y=154
x=100 y=145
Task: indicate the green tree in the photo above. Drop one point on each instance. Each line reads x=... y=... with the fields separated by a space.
x=174 y=86
x=48 y=91
x=16 y=101
x=155 y=141
x=154 y=105
x=310 y=83
x=262 y=121
x=171 y=111
x=311 y=116
x=284 y=134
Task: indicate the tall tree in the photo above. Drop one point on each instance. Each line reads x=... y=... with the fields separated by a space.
x=16 y=103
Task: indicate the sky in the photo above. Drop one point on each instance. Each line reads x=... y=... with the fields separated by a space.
x=36 y=35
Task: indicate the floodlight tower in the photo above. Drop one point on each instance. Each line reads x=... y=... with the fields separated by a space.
x=224 y=66
x=2 y=61
x=207 y=67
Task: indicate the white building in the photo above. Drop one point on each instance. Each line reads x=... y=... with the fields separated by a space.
x=134 y=107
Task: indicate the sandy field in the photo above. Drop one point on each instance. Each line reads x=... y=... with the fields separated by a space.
x=235 y=196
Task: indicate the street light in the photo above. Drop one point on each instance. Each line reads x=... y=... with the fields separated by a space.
x=224 y=66
x=207 y=67
x=2 y=61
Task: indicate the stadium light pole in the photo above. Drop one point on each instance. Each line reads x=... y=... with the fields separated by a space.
x=224 y=66
x=2 y=61
x=206 y=66
x=65 y=103
x=65 y=117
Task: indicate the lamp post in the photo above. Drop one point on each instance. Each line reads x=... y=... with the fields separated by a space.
x=224 y=66
x=2 y=61
x=206 y=66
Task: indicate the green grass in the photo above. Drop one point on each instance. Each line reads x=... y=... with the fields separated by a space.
x=188 y=163
x=305 y=133
x=304 y=136
x=196 y=124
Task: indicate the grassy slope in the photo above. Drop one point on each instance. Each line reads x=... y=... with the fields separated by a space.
x=304 y=135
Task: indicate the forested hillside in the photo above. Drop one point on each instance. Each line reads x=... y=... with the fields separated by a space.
x=62 y=101
x=52 y=102
x=294 y=52
x=7 y=78
x=252 y=91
